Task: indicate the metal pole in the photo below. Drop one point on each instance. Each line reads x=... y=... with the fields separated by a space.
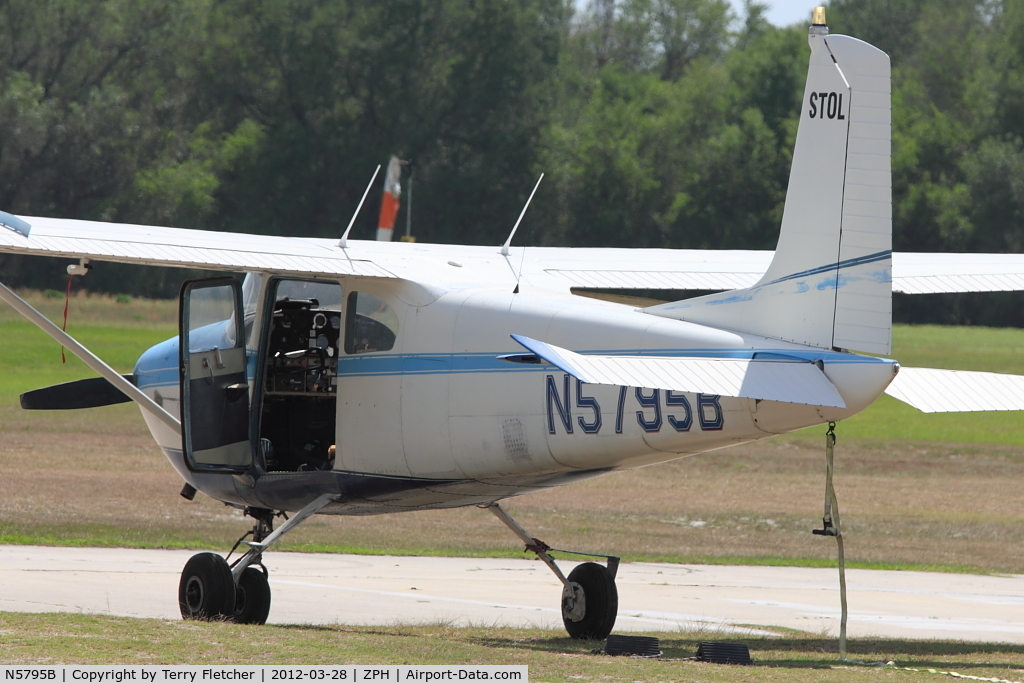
x=408 y=208
x=89 y=358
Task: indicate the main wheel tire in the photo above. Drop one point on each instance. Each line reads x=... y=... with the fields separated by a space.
x=206 y=590
x=601 y=599
x=252 y=598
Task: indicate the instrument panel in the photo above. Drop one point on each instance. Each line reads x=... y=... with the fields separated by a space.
x=303 y=354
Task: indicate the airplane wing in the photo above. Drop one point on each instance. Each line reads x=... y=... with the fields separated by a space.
x=554 y=268
x=148 y=245
x=957 y=391
x=931 y=273
x=558 y=268
x=600 y=268
x=683 y=269
x=770 y=380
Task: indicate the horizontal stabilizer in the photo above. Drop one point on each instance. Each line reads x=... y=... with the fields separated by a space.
x=770 y=380
x=84 y=393
x=957 y=391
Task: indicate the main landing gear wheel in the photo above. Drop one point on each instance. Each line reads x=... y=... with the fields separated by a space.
x=252 y=598
x=590 y=600
x=206 y=590
x=600 y=603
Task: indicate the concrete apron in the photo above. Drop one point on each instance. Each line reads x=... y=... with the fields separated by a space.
x=382 y=590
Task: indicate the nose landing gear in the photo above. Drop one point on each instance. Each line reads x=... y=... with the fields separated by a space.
x=210 y=589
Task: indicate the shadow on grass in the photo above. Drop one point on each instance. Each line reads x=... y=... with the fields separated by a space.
x=887 y=646
x=808 y=653
x=339 y=628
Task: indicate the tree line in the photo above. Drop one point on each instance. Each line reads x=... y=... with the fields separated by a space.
x=659 y=123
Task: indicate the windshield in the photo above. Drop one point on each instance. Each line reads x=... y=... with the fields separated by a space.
x=327 y=294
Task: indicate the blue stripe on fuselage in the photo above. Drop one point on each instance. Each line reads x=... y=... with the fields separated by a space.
x=157 y=366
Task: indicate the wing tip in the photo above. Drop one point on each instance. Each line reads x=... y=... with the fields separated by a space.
x=12 y=222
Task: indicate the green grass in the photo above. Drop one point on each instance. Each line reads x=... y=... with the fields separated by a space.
x=109 y=536
x=30 y=359
x=118 y=330
x=960 y=348
x=550 y=656
x=894 y=420
x=982 y=349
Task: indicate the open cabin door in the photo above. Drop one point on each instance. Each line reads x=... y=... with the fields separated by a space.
x=214 y=390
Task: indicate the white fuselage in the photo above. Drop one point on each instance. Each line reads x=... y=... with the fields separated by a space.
x=454 y=425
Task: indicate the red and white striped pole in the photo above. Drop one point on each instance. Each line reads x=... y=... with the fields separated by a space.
x=390 y=201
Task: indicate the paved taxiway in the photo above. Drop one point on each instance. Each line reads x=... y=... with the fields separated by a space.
x=355 y=589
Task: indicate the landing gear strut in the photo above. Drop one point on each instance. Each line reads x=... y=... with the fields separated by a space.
x=210 y=589
x=590 y=600
x=252 y=589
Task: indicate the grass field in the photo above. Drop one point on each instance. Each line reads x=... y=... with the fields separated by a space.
x=917 y=491
x=54 y=639
x=116 y=331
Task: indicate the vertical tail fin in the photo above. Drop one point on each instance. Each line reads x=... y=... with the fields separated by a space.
x=829 y=284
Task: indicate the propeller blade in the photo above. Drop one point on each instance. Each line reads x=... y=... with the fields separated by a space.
x=84 y=393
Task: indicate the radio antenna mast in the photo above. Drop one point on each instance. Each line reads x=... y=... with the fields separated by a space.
x=504 y=247
x=344 y=238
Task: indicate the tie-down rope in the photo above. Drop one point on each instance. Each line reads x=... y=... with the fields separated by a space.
x=832 y=527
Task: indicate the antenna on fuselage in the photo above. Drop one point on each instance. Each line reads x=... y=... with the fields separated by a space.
x=504 y=247
x=344 y=238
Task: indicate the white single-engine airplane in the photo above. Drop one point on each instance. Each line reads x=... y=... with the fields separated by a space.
x=361 y=378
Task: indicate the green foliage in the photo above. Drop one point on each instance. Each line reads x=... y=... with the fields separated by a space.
x=695 y=155
x=458 y=87
x=658 y=122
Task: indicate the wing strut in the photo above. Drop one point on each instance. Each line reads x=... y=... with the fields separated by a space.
x=89 y=358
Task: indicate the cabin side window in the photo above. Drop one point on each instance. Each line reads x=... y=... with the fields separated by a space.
x=370 y=324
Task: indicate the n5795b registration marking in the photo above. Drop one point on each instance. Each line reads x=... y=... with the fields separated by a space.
x=678 y=410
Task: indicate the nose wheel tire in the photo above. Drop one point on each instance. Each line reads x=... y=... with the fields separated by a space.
x=601 y=601
x=252 y=598
x=206 y=590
